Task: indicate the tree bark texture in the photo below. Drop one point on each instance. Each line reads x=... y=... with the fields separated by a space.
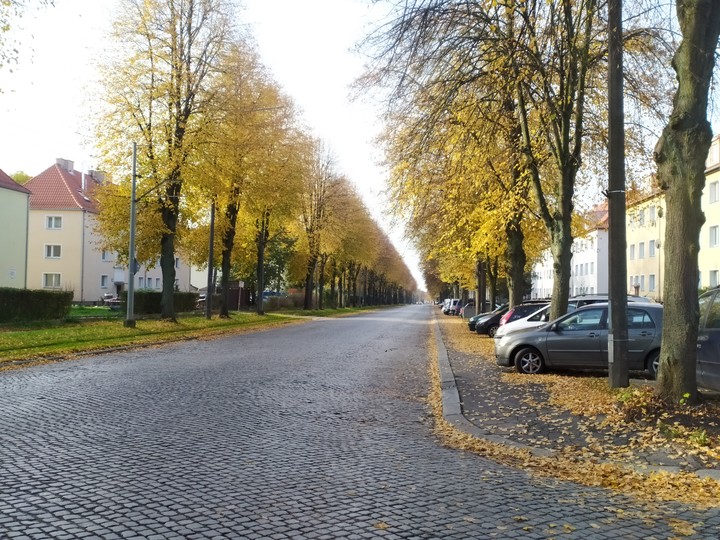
x=228 y=243
x=170 y=213
x=680 y=156
x=516 y=260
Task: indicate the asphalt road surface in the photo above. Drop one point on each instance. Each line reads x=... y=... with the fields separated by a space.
x=315 y=430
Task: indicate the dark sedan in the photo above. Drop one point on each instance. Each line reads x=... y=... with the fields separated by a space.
x=487 y=323
x=580 y=340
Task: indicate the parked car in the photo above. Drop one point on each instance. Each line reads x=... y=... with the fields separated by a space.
x=542 y=315
x=472 y=321
x=468 y=310
x=452 y=307
x=580 y=300
x=579 y=339
x=487 y=323
x=708 y=341
x=536 y=318
x=521 y=311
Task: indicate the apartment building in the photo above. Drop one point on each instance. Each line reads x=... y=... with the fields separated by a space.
x=645 y=253
x=65 y=252
x=14 y=212
x=588 y=268
x=709 y=255
x=645 y=233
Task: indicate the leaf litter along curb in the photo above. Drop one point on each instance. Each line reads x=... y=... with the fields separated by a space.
x=586 y=467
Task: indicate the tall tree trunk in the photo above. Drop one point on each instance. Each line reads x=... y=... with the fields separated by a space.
x=680 y=156
x=261 y=237
x=341 y=288
x=515 y=263
x=321 y=279
x=170 y=213
x=333 y=280
x=492 y=274
x=479 y=285
x=309 y=281
x=228 y=243
x=561 y=241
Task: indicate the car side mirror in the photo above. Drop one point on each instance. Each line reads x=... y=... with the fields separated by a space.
x=553 y=327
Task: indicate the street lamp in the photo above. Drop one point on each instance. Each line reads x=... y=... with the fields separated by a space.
x=617 y=307
x=211 y=257
x=132 y=263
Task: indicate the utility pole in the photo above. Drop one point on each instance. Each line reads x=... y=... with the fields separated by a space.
x=617 y=311
x=130 y=317
x=211 y=264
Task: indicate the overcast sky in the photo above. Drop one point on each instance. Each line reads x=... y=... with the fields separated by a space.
x=306 y=44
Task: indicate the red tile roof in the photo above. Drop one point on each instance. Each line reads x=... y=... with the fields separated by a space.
x=8 y=183
x=60 y=187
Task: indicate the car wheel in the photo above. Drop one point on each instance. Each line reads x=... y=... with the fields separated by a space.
x=492 y=330
x=529 y=361
x=653 y=364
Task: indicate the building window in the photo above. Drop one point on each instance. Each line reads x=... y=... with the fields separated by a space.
x=592 y=268
x=714 y=191
x=651 y=282
x=651 y=248
x=641 y=217
x=177 y=262
x=103 y=282
x=632 y=252
x=52 y=251
x=713 y=278
x=714 y=233
x=51 y=281
x=141 y=282
x=641 y=250
x=642 y=283
x=54 y=222
x=651 y=214
x=105 y=255
x=157 y=282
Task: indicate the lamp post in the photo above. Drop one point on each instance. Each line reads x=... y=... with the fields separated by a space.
x=211 y=257
x=618 y=376
x=132 y=264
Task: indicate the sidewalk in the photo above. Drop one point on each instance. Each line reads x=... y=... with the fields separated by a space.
x=478 y=402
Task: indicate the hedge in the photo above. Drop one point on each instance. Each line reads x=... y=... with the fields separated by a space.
x=147 y=302
x=33 y=305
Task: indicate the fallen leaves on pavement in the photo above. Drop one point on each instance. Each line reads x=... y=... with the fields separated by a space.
x=609 y=429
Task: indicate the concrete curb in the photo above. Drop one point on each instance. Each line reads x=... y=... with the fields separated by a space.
x=452 y=413
x=452 y=407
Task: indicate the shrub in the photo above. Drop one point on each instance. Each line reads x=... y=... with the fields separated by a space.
x=148 y=302
x=33 y=305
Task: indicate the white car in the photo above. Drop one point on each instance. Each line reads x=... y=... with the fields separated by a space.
x=535 y=319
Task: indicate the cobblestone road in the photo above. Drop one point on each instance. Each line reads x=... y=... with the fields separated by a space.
x=309 y=431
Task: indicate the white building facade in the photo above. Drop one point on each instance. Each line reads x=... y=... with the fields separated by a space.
x=645 y=234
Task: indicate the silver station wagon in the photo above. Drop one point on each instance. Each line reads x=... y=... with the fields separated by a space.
x=580 y=340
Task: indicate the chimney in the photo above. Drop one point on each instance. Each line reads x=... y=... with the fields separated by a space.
x=65 y=164
x=98 y=176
